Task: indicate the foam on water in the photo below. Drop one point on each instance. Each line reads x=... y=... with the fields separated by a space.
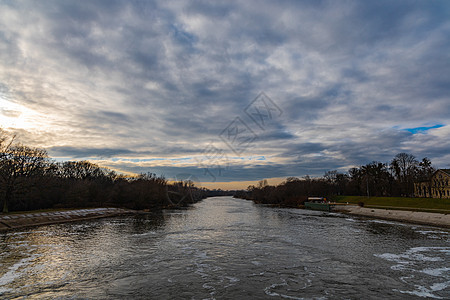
x=435 y=234
x=432 y=231
x=387 y=222
x=13 y=273
x=424 y=292
x=414 y=260
x=436 y=272
x=414 y=254
x=284 y=285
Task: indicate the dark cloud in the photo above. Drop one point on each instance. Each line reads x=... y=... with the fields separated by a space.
x=147 y=79
x=77 y=153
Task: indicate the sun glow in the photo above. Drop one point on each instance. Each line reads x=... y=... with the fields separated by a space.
x=16 y=116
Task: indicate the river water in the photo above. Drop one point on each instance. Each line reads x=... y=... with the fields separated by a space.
x=225 y=248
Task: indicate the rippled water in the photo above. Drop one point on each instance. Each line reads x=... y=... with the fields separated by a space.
x=224 y=248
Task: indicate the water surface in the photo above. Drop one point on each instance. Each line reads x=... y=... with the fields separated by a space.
x=225 y=248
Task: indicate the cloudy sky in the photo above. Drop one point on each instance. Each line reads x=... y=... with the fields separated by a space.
x=228 y=90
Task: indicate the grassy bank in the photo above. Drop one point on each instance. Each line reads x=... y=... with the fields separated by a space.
x=400 y=202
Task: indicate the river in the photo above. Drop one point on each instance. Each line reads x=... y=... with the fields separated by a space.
x=225 y=248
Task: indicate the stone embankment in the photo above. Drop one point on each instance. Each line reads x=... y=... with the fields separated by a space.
x=12 y=221
x=416 y=217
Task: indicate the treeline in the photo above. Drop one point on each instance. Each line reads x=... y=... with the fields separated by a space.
x=30 y=180
x=220 y=192
x=395 y=178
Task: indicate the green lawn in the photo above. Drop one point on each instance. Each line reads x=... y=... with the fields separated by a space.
x=414 y=203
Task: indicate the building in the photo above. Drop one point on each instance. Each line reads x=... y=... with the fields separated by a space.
x=438 y=186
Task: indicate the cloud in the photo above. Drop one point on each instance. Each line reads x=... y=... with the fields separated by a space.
x=11 y=113
x=157 y=82
x=77 y=153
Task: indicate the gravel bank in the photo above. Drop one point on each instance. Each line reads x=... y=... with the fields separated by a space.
x=416 y=217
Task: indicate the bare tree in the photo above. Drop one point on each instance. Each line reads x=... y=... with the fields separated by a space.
x=81 y=170
x=405 y=166
x=17 y=162
x=6 y=140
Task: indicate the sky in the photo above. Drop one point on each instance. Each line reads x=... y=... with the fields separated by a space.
x=227 y=93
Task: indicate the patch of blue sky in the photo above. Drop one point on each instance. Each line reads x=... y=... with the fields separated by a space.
x=259 y=157
x=422 y=129
x=181 y=158
x=182 y=36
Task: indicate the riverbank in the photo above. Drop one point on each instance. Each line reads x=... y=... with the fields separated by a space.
x=408 y=203
x=13 y=221
x=416 y=217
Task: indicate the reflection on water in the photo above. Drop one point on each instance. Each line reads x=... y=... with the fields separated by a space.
x=227 y=248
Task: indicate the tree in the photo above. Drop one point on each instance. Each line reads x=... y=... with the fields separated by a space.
x=81 y=170
x=331 y=176
x=341 y=182
x=18 y=163
x=425 y=169
x=355 y=180
x=404 y=167
x=376 y=178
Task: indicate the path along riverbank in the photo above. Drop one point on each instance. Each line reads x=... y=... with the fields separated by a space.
x=13 y=221
x=416 y=217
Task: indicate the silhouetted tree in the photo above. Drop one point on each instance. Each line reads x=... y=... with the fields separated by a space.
x=82 y=170
x=19 y=164
x=404 y=166
x=425 y=169
x=373 y=179
x=377 y=179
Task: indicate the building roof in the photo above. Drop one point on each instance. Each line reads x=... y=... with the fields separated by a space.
x=445 y=171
